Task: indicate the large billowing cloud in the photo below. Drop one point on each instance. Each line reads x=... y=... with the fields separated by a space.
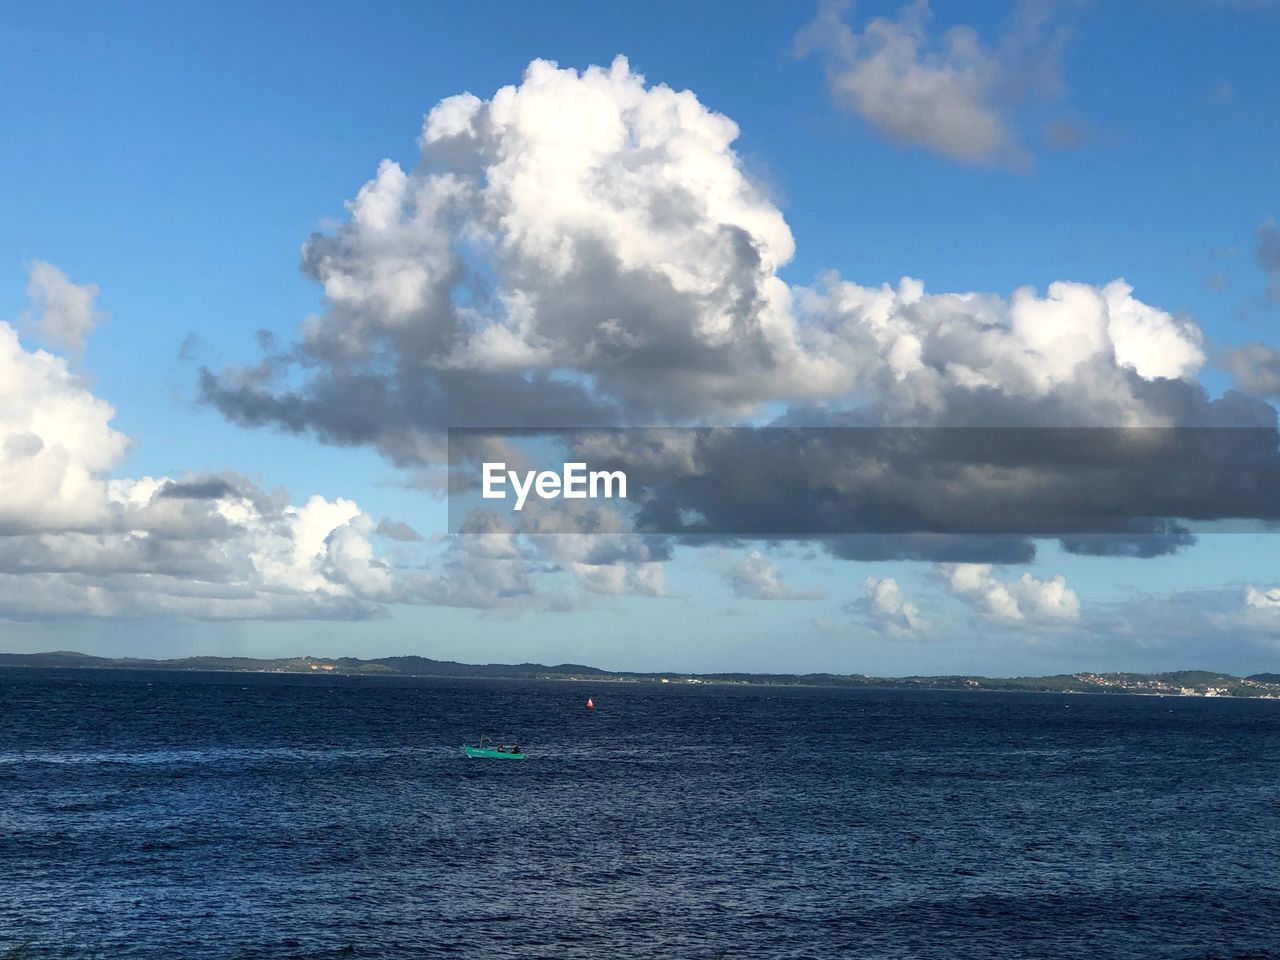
x=585 y=248
x=56 y=444
x=577 y=249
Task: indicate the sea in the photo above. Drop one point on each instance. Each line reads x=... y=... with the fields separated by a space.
x=149 y=815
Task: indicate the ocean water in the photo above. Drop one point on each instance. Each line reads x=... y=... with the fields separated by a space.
x=162 y=815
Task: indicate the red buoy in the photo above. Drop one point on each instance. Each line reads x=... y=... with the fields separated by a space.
x=590 y=705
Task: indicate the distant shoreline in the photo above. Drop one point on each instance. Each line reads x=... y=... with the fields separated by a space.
x=1182 y=683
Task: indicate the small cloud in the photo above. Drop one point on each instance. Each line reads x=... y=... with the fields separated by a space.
x=397 y=530
x=62 y=313
x=1027 y=599
x=756 y=577
x=831 y=628
x=618 y=579
x=189 y=349
x=1216 y=281
x=1068 y=133
x=1218 y=94
x=1268 y=256
x=951 y=94
x=1255 y=368
x=890 y=612
x=1262 y=598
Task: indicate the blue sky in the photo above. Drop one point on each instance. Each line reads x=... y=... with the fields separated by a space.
x=179 y=157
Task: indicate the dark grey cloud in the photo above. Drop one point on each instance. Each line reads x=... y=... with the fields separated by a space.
x=973 y=482
x=401 y=414
x=111 y=557
x=932 y=548
x=210 y=488
x=941 y=494
x=1157 y=539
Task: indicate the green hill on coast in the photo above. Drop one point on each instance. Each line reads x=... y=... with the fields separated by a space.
x=1187 y=683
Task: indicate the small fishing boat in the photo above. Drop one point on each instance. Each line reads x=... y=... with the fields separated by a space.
x=487 y=749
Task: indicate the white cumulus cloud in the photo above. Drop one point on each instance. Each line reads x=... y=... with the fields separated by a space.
x=1023 y=600
x=755 y=577
x=889 y=611
x=1090 y=354
x=586 y=248
x=77 y=540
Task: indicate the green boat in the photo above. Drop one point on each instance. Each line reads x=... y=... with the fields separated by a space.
x=487 y=750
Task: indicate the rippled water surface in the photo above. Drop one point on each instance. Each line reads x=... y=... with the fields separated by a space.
x=161 y=815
